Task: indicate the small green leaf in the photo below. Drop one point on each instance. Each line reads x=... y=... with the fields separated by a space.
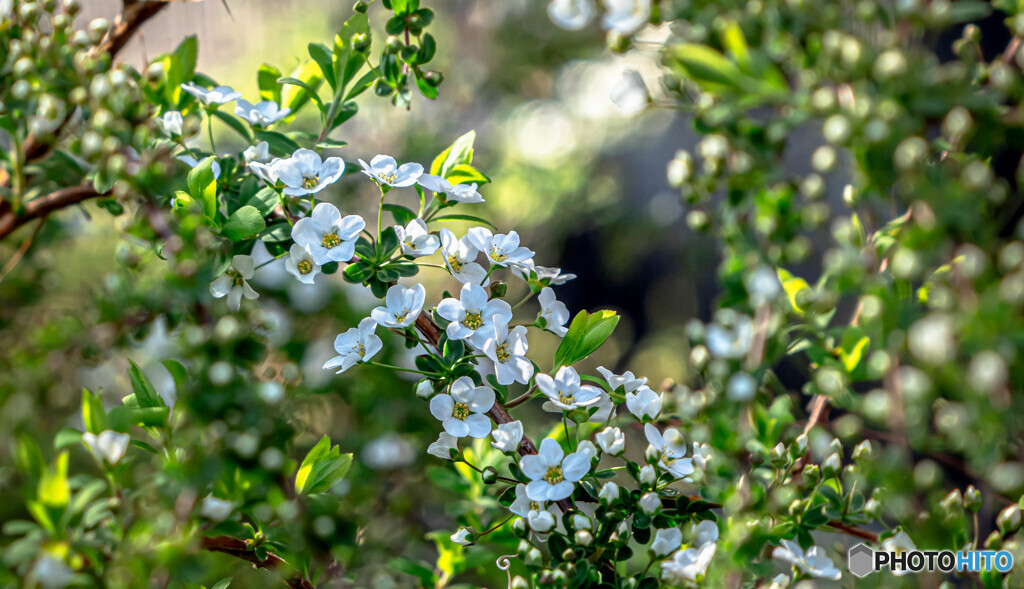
x=266 y=80
x=325 y=60
x=53 y=490
x=279 y=143
x=310 y=91
x=586 y=334
x=265 y=201
x=295 y=96
x=852 y=347
x=235 y=123
x=402 y=215
x=66 y=437
x=144 y=391
x=202 y=186
x=793 y=285
x=93 y=415
x=465 y=173
x=322 y=468
x=245 y=223
x=459 y=152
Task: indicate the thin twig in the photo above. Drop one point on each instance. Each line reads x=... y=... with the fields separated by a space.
x=21 y=251
x=240 y=549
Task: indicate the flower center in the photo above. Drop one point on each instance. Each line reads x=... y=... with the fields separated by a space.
x=310 y=182
x=566 y=398
x=460 y=411
x=473 y=320
x=236 y=278
x=554 y=475
x=503 y=353
x=498 y=256
x=400 y=317
x=330 y=240
x=387 y=178
x=305 y=267
x=360 y=349
x=534 y=506
x=454 y=262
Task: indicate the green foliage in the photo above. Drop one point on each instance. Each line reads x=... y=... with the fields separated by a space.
x=322 y=468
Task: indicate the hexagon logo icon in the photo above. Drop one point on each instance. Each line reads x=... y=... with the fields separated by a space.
x=861 y=560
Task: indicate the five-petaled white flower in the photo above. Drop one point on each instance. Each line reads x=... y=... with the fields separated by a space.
x=108 y=445
x=814 y=562
x=565 y=392
x=170 y=122
x=442 y=448
x=626 y=16
x=501 y=249
x=327 y=235
x=630 y=93
x=644 y=403
x=688 y=565
x=385 y=170
x=670 y=450
x=305 y=173
x=508 y=352
x=553 y=312
x=261 y=114
x=571 y=15
x=459 y=256
x=416 y=241
x=356 y=345
x=300 y=264
x=523 y=505
x=553 y=474
x=463 y=412
x=258 y=153
x=626 y=380
x=899 y=543
x=402 y=305
x=666 y=541
x=611 y=440
x=213 y=96
x=472 y=316
x=464 y=193
x=705 y=532
x=215 y=509
x=192 y=162
x=609 y=492
x=507 y=436
x=232 y=283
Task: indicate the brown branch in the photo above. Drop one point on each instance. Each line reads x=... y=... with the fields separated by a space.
x=853 y=531
x=43 y=206
x=18 y=255
x=239 y=549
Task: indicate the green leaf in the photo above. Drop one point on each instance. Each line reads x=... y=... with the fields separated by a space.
x=149 y=416
x=322 y=468
x=29 y=457
x=245 y=223
x=266 y=80
x=294 y=96
x=348 y=61
x=93 y=415
x=793 y=285
x=585 y=335
x=357 y=273
x=53 y=490
x=202 y=186
x=852 y=347
x=459 y=152
x=402 y=215
x=310 y=91
x=325 y=59
x=331 y=144
x=345 y=112
x=468 y=218
x=264 y=201
x=465 y=173
x=276 y=233
x=66 y=437
x=718 y=75
x=404 y=7
x=235 y=123
x=363 y=83
x=280 y=144
x=144 y=391
x=222 y=584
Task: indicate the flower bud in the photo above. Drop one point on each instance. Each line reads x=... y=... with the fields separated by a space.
x=611 y=440
x=993 y=541
x=811 y=474
x=382 y=88
x=361 y=41
x=489 y=475
x=862 y=450
x=393 y=43
x=498 y=289
x=648 y=475
x=584 y=538
x=433 y=78
x=581 y=522
x=541 y=521
x=778 y=455
x=799 y=446
x=650 y=503
x=952 y=501
x=832 y=466
x=533 y=557
x=872 y=508
x=835 y=446
x=568 y=555
x=609 y=493
x=972 y=498
x=463 y=537
x=360 y=6
x=1008 y=519
x=424 y=389
x=519 y=527
x=651 y=454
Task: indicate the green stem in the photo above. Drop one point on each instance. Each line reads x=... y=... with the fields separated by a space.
x=529 y=296
x=270 y=261
x=382 y=365
x=495 y=527
x=209 y=129
x=484 y=281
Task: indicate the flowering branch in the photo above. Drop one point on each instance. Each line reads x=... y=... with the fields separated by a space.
x=239 y=549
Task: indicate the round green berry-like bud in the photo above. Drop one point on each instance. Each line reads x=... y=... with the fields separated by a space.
x=432 y=77
x=394 y=43
x=23 y=67
x=21 y=89
x=361 y=41
x=72 y=6
x=489 y=475
x=360 y=6
x=29 y=12
x=382 y=88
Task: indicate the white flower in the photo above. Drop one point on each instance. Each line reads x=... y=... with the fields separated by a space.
x=443 y=446
x=666 y=541
x=611 y=440
x=258 y=153
x=554 y=312
x=459 y=256
x=266 y=172
x=630 y=93
x=170 y=122
x=232 y=283
x=627 y=381
x=385 y=170
x=701 y=455
x=464 y=193
x=541 y=521
x=899 y=543
x=327 y=235
x=261 y=114
x=416 y=240
x=741 y=387
x=705 y=532
x=108 y=445
x=571 y=15
x=644 y=403
x=670 y=450
x=508 y=352
x=730 y=336
x=780 y=581
x=587 y=448
x=463 y=537
x=605 y=409
x=501 y=249
x=581 y=522
x=552 y=473
x=545 y=275
x=523 y=505
x=507 y=436
x=49 y=571
x=191 y=161
x=215 y=96
x=424 y=389
x=356 y=345
x=650 y=503
x=626 y=16
x=472 y=316
x=815 y=562
x=305 y=173
x=300 y=264
x=216 y=509
x=687 y=565
x=609 y=492
x=565 y=392
x=463 y=412
x=762 y=285
x=401 y=306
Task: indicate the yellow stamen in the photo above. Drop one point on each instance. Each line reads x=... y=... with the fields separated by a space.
x=305 y=267
x=331 y=240
x=460 y=411
x=503 y=353
x=554 y=475
x=473 y=320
